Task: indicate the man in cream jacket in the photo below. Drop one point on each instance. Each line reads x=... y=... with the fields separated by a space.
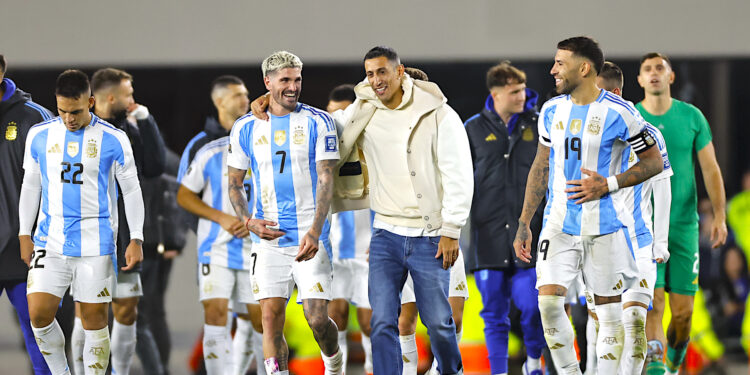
x=404 y=153
x=417 y=174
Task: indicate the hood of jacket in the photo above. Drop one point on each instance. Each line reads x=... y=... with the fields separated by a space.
x=12 y=95
x=420 y=97
x=532 y=98
x=213 y=128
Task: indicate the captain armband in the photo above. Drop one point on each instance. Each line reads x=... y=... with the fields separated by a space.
x=642 y=141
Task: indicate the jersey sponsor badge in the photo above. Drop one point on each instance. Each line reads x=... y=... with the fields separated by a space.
x=595 y=125
x=91 y=149
x=11 y=132
x=330 y=143
x=72 y=149
x=575 y=126
x=527 y=135
x=279 y=137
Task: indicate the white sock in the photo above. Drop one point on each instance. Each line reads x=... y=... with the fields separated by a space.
x=123 y=347
x=96 y=351
x=634 y=350
x=272 y=367
x=409 y=353
x=343 y=347
x=433 y=369
x=367 y=346
x=558 y=332
x=77 y=340
x=229 y=359
x=214 y=348
x=242 y=346
x=591 y=329
x=610 y=339
x=334 y=364
x=51 y=342
x=258 y=352
x=533 y=363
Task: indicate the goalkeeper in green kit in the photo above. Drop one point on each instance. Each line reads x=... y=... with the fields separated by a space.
x=686 y=133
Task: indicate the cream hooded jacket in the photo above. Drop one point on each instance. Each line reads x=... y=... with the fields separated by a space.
x=437 y=154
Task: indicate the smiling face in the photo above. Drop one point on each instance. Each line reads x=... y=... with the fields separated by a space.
x=655 y=76
x=235 y=102
x=75 y=111
x=567 y=71
x=509 y=99
x=385 y=78
x=285 y=86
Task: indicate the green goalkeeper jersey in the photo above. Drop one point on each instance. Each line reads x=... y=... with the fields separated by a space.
x=686 y=131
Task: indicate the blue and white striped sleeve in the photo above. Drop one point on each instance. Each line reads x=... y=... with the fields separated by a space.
x=543 y=125
x=127 y=177
x=327 y=143
x=240 y=144
x=194 y=179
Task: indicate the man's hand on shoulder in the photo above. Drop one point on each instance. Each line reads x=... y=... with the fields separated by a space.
x=260 y=105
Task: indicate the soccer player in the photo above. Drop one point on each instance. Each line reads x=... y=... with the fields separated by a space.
x=350 y=240
x=71 y=162
x=686 y=133
x=648 y=238
x=17 y=115
x=292 y=156
x=223 y=253
x=582 y=135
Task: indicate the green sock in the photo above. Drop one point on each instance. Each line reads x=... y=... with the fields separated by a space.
x=656 y=368
x=676 y=355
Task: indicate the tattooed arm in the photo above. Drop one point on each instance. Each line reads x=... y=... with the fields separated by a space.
x=238 y=198
x=309 y=244
x=536 y=189
x=592 y=188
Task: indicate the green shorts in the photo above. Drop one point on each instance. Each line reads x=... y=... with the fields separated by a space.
x=680 y=274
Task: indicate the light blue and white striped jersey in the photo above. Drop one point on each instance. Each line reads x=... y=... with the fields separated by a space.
x=594 y=137
x=208 y=174
x=281 y=153
x=638 y=216
x=78 y=215
x=351 y=232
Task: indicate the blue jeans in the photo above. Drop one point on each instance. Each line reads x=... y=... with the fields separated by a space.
x=17 y=295
x=391 y=258
x=497 y=288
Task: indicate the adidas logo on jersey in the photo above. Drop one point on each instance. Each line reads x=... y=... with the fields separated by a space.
x=618 y=286
x=97 y=366
x=490 y=138
x=609 y=357
x=103 y=293
x=212 y=356
x=55 y=149
x=317 y=288
x=557 y=346
x=261 y=141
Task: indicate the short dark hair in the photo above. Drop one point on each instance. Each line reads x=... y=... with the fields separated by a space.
x=416 y=73
x=3 y=64
x=585 y=47
x=222 y=82
x=378 y=51
x=504 y=74
x=106 y=78
x=342 y=93
x=612 y=74
x=72 y=83
x=652 y=55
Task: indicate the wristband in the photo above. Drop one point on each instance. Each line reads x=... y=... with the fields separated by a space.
x=612 y=184
x=247 y=221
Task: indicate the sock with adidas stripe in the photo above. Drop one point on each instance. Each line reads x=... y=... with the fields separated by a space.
x=77 y=340
x=242 y=346
x=591 y=328
x=214 y=348
x=558 y=332
x=51 y=342
x=409 y=353
x=96 y=351
x=611 y=338
x=634 y=351
x=122 y=347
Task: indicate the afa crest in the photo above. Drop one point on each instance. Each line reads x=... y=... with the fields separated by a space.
x=279 y=137
x=11 y=132
x=91 y=149
x=595 y=125
x=527 y=135
x=299 y=135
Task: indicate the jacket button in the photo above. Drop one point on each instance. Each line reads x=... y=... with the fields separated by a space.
x=408 y=151
x=505 y=261
x=427 y=218
x=413 y=173
x=506 y=156
x=419 y=195
x=429 y=226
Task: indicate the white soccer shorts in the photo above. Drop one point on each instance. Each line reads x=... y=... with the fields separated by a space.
x=128 y=285
x=644 y=259
x=90 y=278
x=275 y=272
x=606 y=261
x=350 y=281
x=458 y=286
x=217 y=281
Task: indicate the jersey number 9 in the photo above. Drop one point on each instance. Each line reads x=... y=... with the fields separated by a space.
x=573 y=144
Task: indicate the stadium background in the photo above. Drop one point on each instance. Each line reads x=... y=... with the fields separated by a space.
x=175 y=48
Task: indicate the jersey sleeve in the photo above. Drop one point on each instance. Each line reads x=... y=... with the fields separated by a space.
x=125 y=162
x=703 y=137
x=240 y=144
x=662 y=145
x=327 y=142
x=634 y=129
x=194 y=178
x=543 y=125
x=30 y=155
